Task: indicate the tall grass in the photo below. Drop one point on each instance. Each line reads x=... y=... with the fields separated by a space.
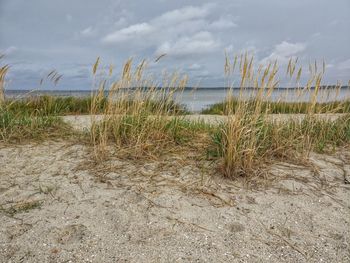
x=250 y=138
x=140 y=116
x=50 y=105
x=20 y=120
x=283 y=107
x=136 y=116
x=20 y=127
x=3 y=71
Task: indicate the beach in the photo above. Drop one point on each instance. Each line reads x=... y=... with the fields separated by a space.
x=59 y=205
x=84 y=122
x=174 y=131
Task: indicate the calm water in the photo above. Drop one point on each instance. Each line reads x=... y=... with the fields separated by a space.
x=198 y=99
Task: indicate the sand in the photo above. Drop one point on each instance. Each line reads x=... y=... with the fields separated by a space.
x=58 y=205
x=83 y=122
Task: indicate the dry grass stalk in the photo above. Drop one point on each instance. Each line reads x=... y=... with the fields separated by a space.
x=138 y=114
x=249 y=138
x=3 y=71
x=136 y=110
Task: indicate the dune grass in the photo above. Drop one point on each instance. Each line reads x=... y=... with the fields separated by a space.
x=46 y=105
x=140 y=117
x=250 y=139
x=50 y=105
x=21 y=121
x=136 y=117
x=23 y=127
x=3 y=71
x=281 y=107
x=243 y=144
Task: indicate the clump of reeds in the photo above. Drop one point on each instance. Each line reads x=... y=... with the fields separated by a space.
x=136 y=115
x=250 y=137
x=19 y=127
x=3 y=71
x=283 y=107
x=141 y=117
x=19 y=120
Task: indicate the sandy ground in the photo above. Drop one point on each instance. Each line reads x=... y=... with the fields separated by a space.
x=57 y=205
x=82 y=122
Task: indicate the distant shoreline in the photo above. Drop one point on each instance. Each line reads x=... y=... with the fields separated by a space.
x=186 y=88
x=197 y=99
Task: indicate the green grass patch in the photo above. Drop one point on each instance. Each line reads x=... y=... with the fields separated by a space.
x=19 y=127
x=148 y=134
x=247 y=143
x=54 y=106
x=282 y=107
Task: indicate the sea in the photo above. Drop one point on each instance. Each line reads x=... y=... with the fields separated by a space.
x=197 y=99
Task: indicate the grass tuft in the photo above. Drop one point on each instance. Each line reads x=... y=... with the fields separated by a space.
x=20 y=127
x=250 y=138
x=281 y=107
x=135 y=117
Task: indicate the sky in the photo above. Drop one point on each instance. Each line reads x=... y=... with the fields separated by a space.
x=68 y=35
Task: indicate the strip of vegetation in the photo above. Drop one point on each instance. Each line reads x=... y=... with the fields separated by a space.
x=144 y=135
x=244 y=142
x=51 y=105
x=244 y=145
x=141 y=122
x=19 y=127
x=280 y=107
x=250 y=138
x=134 y=117
x=58 y=106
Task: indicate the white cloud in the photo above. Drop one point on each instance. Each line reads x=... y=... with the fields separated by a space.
x=200 y=43
x=194 y=66
x=89 y=31
x=283 y=51
x=287 y=49
x=179 y=32
x=186 y=20
x=203 y=74
x=128 y=33
x=222 y=24
x=183 y=14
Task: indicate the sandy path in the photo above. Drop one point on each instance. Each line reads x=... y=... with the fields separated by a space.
x=82 y=122
x=55 y=209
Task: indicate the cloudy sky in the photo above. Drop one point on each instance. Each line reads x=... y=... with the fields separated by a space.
x=40 y=35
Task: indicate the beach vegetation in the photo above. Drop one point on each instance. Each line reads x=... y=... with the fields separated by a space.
x=140 y=116
x=250 y=138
